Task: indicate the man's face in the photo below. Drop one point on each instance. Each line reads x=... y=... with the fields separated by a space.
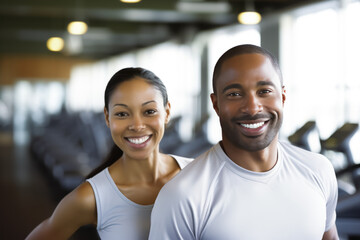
x=249 y=101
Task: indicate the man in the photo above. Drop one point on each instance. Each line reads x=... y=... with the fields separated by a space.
x=250 y=185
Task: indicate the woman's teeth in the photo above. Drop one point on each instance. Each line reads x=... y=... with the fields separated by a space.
x=253 y=125
x=138 y=140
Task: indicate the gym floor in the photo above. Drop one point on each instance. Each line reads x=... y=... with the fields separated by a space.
x=27 y=195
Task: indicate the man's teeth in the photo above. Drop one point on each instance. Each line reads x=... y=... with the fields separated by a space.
x=253 y=125
x=138 y=140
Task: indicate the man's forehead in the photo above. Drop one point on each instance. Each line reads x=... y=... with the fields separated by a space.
x=246 y=63
x=246 y=57
x=241 y=66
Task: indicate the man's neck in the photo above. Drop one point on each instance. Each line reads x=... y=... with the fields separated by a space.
x=257 y=161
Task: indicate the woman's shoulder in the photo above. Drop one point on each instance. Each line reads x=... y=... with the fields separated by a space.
x=83 y=197
x=78 y=205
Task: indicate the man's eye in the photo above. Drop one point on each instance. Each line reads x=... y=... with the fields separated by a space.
x=234 y=94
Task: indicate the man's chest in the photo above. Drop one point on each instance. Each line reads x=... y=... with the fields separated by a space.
x=288 y=209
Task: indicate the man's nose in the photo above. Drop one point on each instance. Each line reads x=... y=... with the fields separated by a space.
x=252 y=105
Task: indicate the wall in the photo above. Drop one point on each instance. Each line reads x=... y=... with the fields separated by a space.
x=13 y=68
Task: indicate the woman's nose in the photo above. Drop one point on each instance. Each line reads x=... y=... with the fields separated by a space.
x=137 y=124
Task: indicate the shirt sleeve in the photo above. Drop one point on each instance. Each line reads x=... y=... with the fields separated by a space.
x=172 y=216
x=332 y=197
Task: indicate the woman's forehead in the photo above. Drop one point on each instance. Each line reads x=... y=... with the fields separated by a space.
x=136 y=90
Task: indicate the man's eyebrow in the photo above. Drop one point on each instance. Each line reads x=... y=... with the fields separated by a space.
x=238 y=86
x=234 y=85
x=265 y=83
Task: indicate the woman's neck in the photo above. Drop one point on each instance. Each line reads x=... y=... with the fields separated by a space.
x=149 y=170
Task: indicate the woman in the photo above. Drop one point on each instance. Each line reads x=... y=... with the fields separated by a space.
x=120 y=197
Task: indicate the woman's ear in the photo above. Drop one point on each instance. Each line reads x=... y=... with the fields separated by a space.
x=167 y=112
x=106 y=113
x=283 y=93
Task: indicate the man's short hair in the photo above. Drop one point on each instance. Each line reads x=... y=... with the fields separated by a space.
x=244 y=49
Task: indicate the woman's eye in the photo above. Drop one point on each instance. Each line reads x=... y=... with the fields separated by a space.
x=122 y=114
x=265 y=91
x=150 y=112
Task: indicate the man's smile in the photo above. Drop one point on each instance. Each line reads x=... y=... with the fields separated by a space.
x=252 y=125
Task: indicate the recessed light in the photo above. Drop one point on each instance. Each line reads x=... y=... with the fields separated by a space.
x=130 y=1
x=77 y=28
x=55 y=44
x=249 y=18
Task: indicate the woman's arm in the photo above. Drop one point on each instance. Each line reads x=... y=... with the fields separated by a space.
x=331 y=234
x=76 y=209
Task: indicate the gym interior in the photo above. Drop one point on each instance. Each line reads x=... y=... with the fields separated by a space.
x=52 y=128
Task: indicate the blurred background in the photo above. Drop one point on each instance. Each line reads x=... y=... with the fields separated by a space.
x=53 y=76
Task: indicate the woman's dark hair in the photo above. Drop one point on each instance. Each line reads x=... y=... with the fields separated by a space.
x=130 y=73
x=119 y=77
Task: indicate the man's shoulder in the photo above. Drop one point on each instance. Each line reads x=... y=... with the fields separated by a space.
x=313 y=161
x=199 y=173
x=299 y=152
x=182 y=161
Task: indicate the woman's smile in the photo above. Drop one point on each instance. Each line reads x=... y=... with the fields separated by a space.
x=138 y=142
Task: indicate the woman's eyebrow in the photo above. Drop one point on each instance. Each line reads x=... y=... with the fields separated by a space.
x=148 y=102
x=126 y=106
x=121 y=105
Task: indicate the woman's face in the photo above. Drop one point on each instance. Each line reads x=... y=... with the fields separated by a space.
x=136 y=117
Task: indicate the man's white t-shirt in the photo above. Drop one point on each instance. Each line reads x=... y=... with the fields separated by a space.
x=214 y=198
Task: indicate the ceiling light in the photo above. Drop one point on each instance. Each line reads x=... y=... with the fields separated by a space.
x=77 y=28
x=130 y=1
x=203 y=7
x=249 y=17
x=55 y=44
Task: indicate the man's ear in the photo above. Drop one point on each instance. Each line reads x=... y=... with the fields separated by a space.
x=167 y=112
x=283 y=93
x=214 y=103
x=106 y=113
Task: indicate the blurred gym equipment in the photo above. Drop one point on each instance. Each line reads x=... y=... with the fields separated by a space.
x=338 y=149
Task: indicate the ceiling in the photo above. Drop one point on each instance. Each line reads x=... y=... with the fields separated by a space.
x=115 y=27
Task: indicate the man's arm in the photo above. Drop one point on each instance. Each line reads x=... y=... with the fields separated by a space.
x=331 y=202
x=331 y=234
